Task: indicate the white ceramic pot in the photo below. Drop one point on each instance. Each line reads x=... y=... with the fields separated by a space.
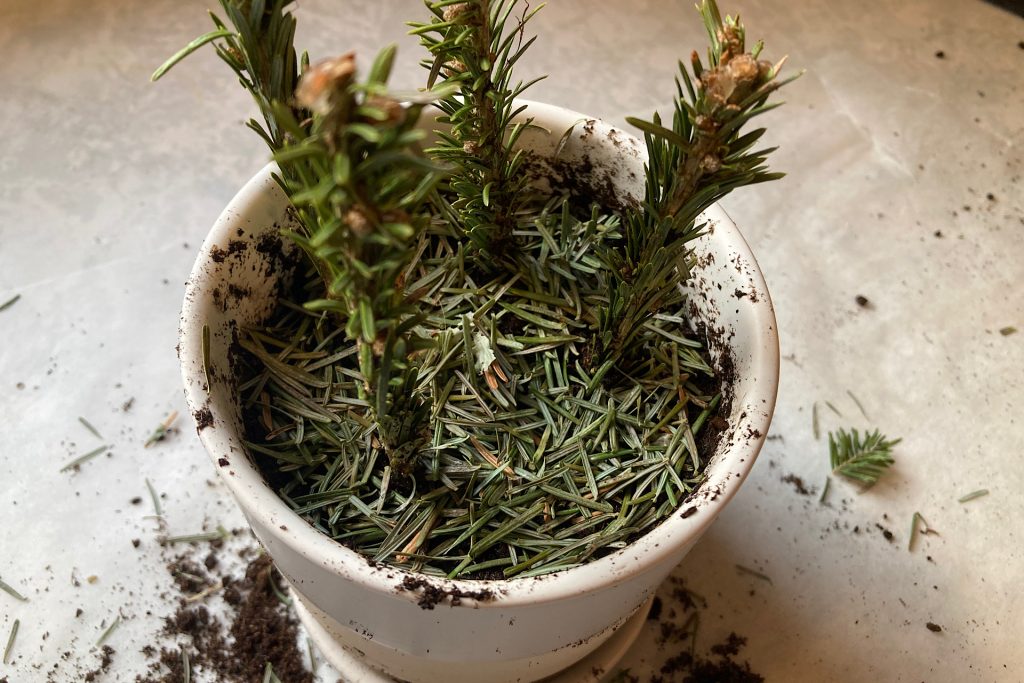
x=519 y=630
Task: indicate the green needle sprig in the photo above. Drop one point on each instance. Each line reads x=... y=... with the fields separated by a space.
x=259 y=50
x=474 y=46
x=700 y=158
x=861 y=458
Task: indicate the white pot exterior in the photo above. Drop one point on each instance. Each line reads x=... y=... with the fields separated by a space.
x=532 y=627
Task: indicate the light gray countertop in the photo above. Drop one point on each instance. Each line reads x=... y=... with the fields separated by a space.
x=904 y=186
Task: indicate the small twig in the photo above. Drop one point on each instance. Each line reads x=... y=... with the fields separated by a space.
x=160 y=433
x=814 y=421
x=10 y=640
x=83 y=458
x=186 y=666
x=209 y=590
x=972 y=495
x=490 y=457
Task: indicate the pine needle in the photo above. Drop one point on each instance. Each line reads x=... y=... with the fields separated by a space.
x=160 y=433
x=110 y=631
x=206 y=354
x=156 y=499
x=6 y=588
x=753 y=572
x=10 y=640
x=219 y=535
x=972 y=495
x=918 y=526
x=269 y=676
x=84 y=458
x=10 y=302
x=825 y=489
x=861 y=459
x=860 y=406
x=88 y=425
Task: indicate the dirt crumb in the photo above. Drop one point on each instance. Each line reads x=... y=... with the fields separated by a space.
x=204 y=418
x=432 y=595
x=256 y=627
x=798 y=484
x=106 y=659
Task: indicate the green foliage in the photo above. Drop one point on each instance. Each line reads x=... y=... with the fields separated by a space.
x=360 y=197
x=450 y=391
x=696 y=162
x=863 y=459
x=474 y=46
x=260 y=51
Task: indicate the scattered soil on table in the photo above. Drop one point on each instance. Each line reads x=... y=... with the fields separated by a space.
x=719 y=668
x=678 y=615
x=798 y=484
x=106 y=659
x=256 y=628
x=933 y=627
x=862 y=301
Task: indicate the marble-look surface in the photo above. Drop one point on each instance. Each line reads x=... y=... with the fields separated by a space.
x=904 y=187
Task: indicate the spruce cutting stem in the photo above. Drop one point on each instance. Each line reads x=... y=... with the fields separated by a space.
x=691 y=173
x=489 y=136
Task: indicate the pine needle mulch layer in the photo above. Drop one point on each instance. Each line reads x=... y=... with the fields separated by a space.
x=528 y=460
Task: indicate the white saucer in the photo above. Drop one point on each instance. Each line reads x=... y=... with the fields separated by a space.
x=593 y=668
